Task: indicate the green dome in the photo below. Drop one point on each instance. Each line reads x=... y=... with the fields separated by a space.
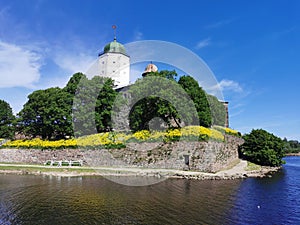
x=114 y=46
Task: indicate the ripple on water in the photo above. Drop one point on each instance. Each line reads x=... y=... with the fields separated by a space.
x=94 y=200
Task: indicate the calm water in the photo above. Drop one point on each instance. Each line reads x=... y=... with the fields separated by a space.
x=95 y=200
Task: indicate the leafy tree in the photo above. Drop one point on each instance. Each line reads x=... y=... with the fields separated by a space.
x=6 y=120
x=47 y=113
x=263 y=148
x=170 y=75
x=92 y=105
x=72 y=84
x=104 y=104
x=198 y=95
x=159 y=95
x=291 y=146
x=217 y=110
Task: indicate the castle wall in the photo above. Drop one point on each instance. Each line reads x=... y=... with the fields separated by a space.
x=202 y=156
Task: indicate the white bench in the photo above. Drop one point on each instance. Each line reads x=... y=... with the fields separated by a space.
x=60 y=163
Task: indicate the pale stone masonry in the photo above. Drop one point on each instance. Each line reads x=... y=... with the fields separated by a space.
x=208 y=156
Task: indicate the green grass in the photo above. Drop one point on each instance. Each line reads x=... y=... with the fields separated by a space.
x=252 y=166
x=44 y=169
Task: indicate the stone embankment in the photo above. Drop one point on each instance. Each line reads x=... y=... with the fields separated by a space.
x=209 y=157
x=239 y=171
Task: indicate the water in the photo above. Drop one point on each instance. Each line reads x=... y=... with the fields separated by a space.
x=94 y=200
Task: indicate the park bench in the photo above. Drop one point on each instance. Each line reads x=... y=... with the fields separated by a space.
x=60 y=163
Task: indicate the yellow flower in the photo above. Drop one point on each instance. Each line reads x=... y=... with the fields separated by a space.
x=142 y=135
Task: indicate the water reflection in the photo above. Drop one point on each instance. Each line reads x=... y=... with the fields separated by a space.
x=94 y=200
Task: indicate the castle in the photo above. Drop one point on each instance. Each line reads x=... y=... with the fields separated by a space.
x=114 y=63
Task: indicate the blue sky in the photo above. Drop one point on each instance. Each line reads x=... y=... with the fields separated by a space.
x=252 y=47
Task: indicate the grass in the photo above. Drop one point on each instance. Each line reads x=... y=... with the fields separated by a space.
x=35 y=168
x=252 y=166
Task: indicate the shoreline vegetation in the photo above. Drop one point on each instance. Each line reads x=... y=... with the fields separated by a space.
x=120 y=139
x=241 y=169
x=293 y=154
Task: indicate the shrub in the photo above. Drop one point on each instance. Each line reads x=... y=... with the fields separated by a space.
x=263 y=148
x=119 y=140
x=227 y=130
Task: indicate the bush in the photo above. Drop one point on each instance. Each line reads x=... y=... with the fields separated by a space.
x=119 y=140
x=263 y=148
x=227 y=130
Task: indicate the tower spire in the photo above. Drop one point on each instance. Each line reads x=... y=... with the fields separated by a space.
x=114 y=27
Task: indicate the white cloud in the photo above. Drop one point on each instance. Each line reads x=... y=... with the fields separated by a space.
x=138 y=35
x=227 y=85
x=203 y=43
x=19 y=66
x=74 y=62
x=58 y=81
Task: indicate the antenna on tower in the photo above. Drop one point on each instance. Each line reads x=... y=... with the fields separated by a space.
x=114 y=27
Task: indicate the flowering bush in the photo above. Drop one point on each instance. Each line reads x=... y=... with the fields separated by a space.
x=119 y=140
x=41 y=144
x=227 y=130
x=142 y=135
x=173 y=135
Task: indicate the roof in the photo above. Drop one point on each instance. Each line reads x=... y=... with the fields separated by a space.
x=115 y=47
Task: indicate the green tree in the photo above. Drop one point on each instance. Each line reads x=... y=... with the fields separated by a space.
x=263 y=148
x=291 y=146
x=92 y=105
x=6 y=120
x=104 y=104
x=198 y=95
x=47 y=113
x=159 y=95
x=217 y=110
x=72 y=84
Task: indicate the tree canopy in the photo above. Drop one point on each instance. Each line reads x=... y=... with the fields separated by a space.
x=217 y=110
x=263 y=148
x=291 y=146
x=210 y=111
x=158 y=95
x=47 y=113
x=6 y=120
x=92 y=105
x=198 y=95
x=84 y=106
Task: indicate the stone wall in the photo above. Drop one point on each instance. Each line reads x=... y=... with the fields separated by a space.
x=199 y=156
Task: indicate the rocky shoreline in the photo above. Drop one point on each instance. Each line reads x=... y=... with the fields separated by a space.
x=253 y=174
x=237 y=172
x=293 y=154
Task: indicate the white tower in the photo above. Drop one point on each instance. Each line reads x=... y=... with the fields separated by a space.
x=114 y=63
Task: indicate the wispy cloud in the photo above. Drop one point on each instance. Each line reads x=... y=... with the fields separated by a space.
x=73 y=62
x=19 y=66
x=282 y=33
x=218 y=24
x=227 y=85
x=203 y=43
x=138 y=35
